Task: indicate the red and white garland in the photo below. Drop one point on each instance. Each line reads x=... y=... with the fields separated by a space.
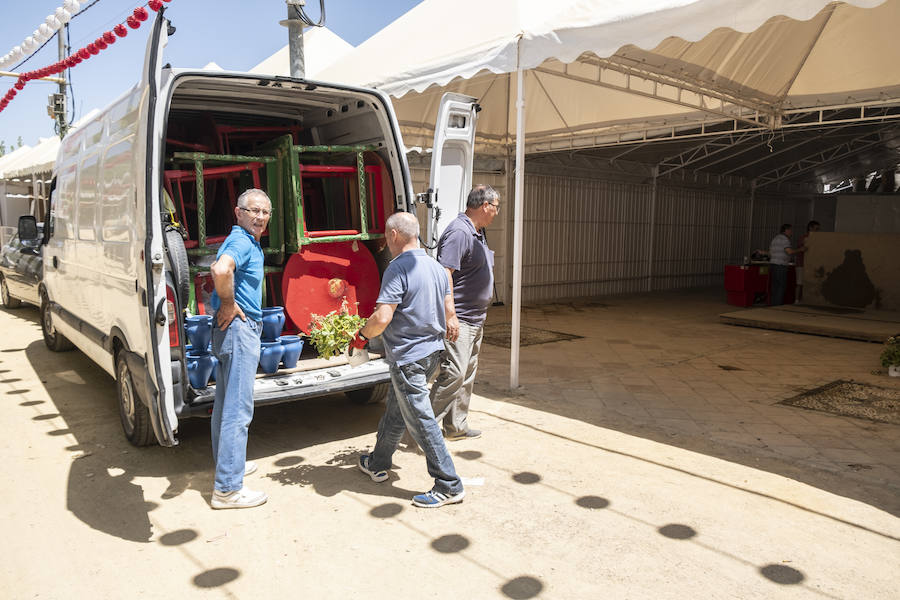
x=138 y=16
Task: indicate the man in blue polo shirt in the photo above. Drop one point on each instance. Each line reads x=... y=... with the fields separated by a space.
x=237 y=302
x=464 y=253
x=411 y=315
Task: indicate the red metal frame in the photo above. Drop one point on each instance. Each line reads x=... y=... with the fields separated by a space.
x=180 y=176
x=228 y=132
x=375 y=212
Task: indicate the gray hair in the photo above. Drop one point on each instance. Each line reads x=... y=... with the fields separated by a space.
x=242 y=199
x=403 y=223
x=480 y=194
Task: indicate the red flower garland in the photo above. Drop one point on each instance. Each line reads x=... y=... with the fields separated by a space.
x=138 y=16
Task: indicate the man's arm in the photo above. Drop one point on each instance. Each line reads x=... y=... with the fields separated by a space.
x=378 y=322
x=450 y=310
x=222 y=272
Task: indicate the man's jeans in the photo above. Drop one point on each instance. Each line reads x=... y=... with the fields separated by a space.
x=237 y=349
x=779 y=283
x=452 y=392
x=408 y=407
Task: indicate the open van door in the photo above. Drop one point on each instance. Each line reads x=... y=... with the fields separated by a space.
x=451 y=162
x=153 y=362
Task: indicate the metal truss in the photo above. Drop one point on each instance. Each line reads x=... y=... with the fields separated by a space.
x=668 y=89
x=833 y=153
x=685 y=129
x=703 y=151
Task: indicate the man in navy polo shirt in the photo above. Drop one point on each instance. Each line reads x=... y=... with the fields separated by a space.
x=237 y=302
x=413 y=308
x=464 y=253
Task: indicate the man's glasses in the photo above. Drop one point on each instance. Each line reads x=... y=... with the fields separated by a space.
x=257 y=212
x=496 y=206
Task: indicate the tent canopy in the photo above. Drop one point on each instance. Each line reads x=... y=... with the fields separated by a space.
x=600 y=73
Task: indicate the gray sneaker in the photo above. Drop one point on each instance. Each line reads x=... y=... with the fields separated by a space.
x=468 y=434
x=242 y=498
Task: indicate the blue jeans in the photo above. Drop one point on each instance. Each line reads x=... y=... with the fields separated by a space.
x=409 y=407
x=779 y=284
x=237 y=349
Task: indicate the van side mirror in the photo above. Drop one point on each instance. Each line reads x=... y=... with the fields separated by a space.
x=28 y=229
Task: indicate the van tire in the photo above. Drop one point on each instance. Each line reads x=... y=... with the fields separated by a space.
x=52 y=338
x=178 y=261
x=8 y=301
x=132 y=412
x=372 y=395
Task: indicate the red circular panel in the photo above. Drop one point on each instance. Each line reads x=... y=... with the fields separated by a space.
x=314 y=275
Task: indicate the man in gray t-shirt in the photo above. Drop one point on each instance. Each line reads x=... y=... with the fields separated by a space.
x=780 y=253
x=464 y=253
x=413 y=307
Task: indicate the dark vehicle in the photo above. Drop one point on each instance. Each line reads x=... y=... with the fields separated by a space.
x=21 y=265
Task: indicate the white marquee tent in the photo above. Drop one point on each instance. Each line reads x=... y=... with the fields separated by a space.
x=588 y=73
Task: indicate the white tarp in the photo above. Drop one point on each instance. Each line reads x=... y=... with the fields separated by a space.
x=764 y=54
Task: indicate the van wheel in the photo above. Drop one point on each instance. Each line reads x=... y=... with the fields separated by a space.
x=54 y=339
x=8 y=301
x=133 y=413
x=372 y=395
x=178 y=261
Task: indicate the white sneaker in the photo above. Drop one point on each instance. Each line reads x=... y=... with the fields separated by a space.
x=250 y=468
x=242 y=498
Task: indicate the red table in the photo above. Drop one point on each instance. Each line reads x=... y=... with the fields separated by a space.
x=744 y=282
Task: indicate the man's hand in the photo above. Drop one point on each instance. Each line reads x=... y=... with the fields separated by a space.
x=452 y=328
x=358 y=341
x=226 y=314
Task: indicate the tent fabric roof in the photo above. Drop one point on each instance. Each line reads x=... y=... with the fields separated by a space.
x=9 y=160
x=321 y=47
x=603 y=72
x=490 y=42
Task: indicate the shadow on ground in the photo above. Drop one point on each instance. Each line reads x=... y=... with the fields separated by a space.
x=698 y=305
x=101 y=489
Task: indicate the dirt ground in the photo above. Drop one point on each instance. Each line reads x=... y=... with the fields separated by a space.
x=572 y=492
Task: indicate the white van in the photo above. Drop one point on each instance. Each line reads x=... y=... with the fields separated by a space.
x=144 y=194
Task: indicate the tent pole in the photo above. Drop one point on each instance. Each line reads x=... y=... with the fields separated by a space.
x=517 y=225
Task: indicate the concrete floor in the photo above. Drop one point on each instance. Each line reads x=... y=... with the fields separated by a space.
x=630 y=465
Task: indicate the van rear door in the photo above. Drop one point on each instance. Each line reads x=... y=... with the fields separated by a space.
x=452 y=157
x=152 y=290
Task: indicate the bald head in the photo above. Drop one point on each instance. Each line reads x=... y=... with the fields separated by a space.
x=402 y=232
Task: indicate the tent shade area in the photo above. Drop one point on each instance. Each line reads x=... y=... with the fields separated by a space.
x=648 y=144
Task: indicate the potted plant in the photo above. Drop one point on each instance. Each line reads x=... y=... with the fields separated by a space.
x=331 y=335
x=890 y=356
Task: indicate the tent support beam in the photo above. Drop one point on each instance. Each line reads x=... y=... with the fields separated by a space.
x=649 y=132
x=673 y=92
x=832 y=153
x=518 y=224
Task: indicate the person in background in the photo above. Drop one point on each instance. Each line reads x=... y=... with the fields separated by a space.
x=413 y=307
x=780 y=252
x=801 y=258
x=237 y=274
x=464 y=253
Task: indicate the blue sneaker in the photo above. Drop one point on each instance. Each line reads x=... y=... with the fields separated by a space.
x=435 y=499
x=363 y=464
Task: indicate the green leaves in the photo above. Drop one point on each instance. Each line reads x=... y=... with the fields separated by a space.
x=332 y=334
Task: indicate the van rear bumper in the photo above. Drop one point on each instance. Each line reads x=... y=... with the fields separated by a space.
x=276 y=389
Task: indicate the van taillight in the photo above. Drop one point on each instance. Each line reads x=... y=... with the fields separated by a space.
x=173 y=317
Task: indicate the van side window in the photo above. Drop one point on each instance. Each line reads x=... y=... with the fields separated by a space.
x=87 y=197
x=64 y=228
x=117 y=193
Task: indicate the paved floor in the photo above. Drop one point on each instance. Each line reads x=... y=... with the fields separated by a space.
x=662 y=365
x=630 y=466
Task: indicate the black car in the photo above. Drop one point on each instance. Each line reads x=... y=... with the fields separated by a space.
x=21 y=265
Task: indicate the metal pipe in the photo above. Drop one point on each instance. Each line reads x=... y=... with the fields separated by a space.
x=295 y=39
x=518 y=225
x=652 y=228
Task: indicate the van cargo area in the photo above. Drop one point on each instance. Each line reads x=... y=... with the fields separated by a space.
x=328 y=159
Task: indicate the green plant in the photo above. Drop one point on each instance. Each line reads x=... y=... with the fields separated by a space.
x=332 y=334
x=890 y=356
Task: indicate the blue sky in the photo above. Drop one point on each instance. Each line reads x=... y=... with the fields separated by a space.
x=234 y=34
